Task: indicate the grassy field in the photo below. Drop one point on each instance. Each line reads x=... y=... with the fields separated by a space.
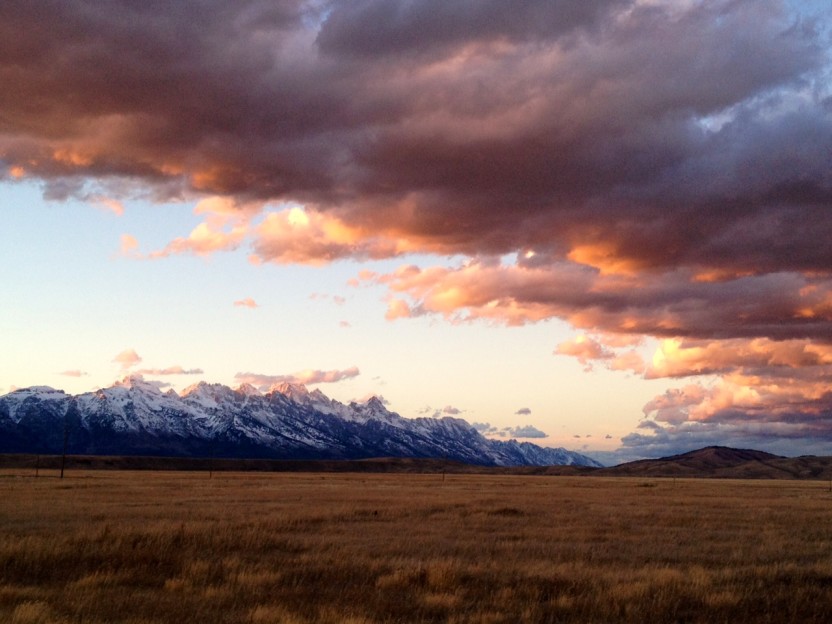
x=139 y=547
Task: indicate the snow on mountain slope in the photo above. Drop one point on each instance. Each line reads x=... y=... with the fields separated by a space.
x=288 y=421
x=17 y=404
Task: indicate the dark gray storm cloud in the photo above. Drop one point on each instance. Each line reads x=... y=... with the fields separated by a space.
x=431 y=27
x=675 y=133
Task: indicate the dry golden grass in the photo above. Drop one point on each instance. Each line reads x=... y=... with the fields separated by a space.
x=102 y=547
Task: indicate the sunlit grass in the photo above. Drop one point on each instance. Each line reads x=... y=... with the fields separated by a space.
x=101 y=547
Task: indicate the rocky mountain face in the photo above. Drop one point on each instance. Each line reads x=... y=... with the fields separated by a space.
x=134 y=417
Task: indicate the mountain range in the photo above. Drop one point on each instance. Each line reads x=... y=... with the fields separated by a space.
x=135 y=417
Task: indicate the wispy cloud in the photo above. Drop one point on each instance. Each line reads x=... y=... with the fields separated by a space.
x=74 y=373
x=484 y=428
x=307 y=377
x=109 y=204
x=248 y=302
x=171 y=370
x=129 y=246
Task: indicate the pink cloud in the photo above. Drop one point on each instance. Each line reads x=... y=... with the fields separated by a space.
x=73 y=373
x=306 y=236
x=127 y=359
x=109 y=204
x=306 y=377
x=584 y=349
x=204 y=239
x=225 y=226
x=129 y=246
x=248 y=302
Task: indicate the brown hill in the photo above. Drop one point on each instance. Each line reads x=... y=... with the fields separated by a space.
x=726 y=463
x=709 y=462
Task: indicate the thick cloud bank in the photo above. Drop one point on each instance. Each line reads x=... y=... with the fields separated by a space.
x=655 y=169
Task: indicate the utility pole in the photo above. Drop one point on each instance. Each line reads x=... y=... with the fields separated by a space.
x=66 y=442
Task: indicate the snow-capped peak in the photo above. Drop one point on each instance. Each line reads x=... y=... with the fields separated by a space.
x=375 y=403
x=204 y=388
x=247 y=389
x=44 y=391
x=136 y=416
x=136 y=381
x=294 y=391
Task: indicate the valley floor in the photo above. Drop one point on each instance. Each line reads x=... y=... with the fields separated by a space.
x=159 y=547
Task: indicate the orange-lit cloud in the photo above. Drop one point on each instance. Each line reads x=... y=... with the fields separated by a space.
x=226 y=224
x=304 y=236
x=129 y=246
x=652 y=304
x=204 y=239
x=630 y=361
x=306 y=377
x=678 y=358
x=584 y=349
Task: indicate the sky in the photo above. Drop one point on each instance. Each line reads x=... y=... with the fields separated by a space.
x=604 y=225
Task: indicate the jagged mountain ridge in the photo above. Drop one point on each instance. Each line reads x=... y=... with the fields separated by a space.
x=134 y=417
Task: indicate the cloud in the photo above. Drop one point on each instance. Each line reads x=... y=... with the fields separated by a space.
x=405 y=92
x=371 y=395
x=527 y=431
x=204 y=239
x=226 y=224
x=641 y=195
x=336 y=299
x=484 y=428
x=107 y=203
x=307 y=377
x=74 y=373
x=523 y=411
x=171 y=370
x=585 y=350
x=448 y=410
x=129 y=246
x=670 y=304
x=127 y=359
x=248 y=302
x=305 y=236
